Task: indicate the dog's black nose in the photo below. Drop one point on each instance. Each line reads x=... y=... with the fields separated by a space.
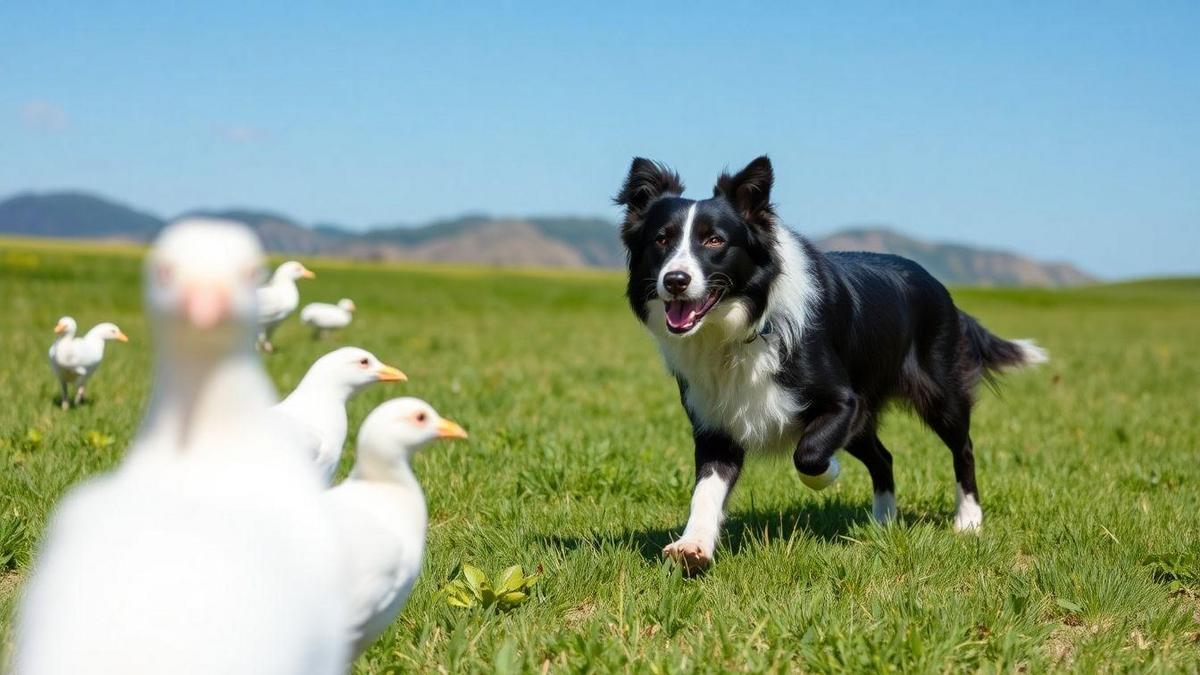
x=677 y=282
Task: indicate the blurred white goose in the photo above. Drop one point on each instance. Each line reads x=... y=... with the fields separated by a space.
x=317 y=406
x=278 y=299
x=380 y=512
x=324 y=317
x=75 y=360
x=209 y=549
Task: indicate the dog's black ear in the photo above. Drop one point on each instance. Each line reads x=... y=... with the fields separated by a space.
x=750 y=191
x=647 y=181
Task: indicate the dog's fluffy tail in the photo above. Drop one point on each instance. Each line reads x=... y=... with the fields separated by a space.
x=985 y=354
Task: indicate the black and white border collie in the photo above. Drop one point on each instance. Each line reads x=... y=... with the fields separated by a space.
x=778 y=347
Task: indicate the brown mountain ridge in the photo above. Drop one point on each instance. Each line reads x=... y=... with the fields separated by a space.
x=478 y=239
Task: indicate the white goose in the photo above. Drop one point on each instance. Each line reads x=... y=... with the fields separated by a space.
x=317 y=406
x=74 y=360
x=380 y=511
x=207 y=550
x=324 y=317
x=278 y=299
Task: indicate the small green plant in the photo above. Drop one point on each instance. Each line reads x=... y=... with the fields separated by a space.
x=33 y=438
x=14 y=535
x=509 y=590
x=1179 y=571
x=99 y=440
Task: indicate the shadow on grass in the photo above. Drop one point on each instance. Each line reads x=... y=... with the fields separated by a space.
x=827 y=520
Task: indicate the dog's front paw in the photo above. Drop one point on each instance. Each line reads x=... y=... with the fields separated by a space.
x=968 y=516
x=968 y=520
x=691 y=555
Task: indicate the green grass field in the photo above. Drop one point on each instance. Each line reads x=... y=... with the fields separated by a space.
x=580 y=463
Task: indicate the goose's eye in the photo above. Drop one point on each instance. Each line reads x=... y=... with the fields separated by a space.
x=421 y=417
x=714 y=241
x=364 y=362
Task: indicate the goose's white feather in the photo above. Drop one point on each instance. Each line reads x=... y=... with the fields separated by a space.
x=316 y=408
x=278 y=298
x=207 y=550
x=75 y=359
x=326 y=316
x=380 y=511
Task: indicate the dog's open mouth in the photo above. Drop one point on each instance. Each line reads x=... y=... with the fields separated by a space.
x=682 y=315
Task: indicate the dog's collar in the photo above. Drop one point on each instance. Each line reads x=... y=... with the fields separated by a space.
x=763 y=332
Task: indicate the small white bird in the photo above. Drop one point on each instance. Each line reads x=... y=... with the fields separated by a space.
x=278 y=299
x=209 y=550
x=380 y=513
x=75 y=360
x=317 y=406
x=324 y=317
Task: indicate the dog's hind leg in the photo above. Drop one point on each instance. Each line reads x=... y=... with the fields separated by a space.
x=718 y=464
x=950 y=418
x=870 y=451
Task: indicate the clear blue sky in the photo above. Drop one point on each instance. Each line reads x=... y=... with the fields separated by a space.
x=1067 y=132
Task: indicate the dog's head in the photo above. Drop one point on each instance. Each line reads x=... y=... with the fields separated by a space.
x=697 y=263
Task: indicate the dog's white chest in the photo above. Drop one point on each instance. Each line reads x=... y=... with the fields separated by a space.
x=734 y=389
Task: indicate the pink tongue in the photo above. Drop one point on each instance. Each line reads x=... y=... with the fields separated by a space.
x=681 y=312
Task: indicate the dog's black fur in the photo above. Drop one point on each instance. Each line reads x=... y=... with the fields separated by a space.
x=873 y=327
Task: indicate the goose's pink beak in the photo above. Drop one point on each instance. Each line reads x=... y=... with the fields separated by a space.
x=205 y=306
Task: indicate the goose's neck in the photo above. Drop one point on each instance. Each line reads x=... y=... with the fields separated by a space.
x=318 y=386
x=204 y=400
x=281 y=278
x=377 y=469
x=94 y=339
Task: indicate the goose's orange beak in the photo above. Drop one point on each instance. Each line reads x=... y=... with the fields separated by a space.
x=390 y=374
x=307 y=274
x=60 y=327
x=122 y=337
x=448 y=429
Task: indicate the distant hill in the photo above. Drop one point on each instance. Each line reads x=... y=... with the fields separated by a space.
x=278 y=232
x=957 y=263
x=480 y=239
x=75 y=215
x=553 y=242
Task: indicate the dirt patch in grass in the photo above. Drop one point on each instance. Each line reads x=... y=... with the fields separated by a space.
x=9 y=582
x=1061 y=644
x=579 y=614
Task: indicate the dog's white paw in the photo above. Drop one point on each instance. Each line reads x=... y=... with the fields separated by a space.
x=969 y=516
x=824 y=480
x=968 y=522
x=884 y=509
x=691 y=555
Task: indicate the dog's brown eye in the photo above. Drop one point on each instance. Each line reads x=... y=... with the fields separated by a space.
x=661 y=240
x=714 y=242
